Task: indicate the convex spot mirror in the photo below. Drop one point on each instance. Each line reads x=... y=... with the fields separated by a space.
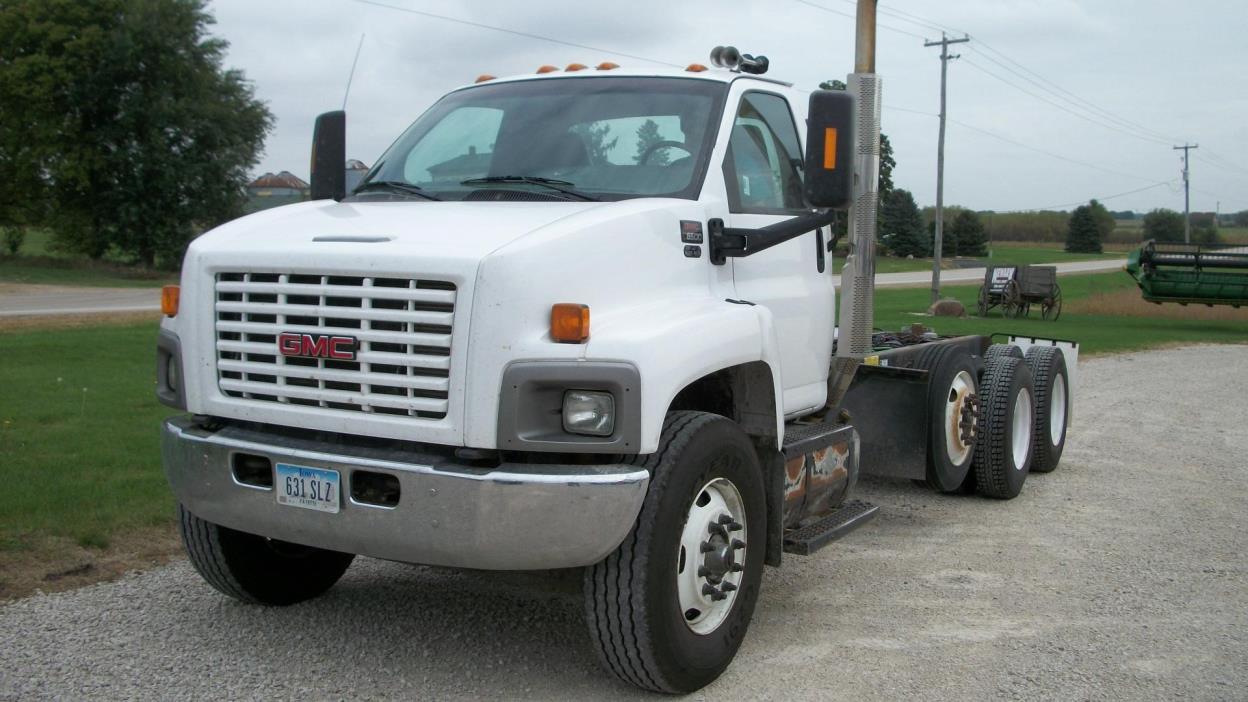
x=830 y=140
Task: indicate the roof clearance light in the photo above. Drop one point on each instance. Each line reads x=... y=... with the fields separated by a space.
x=576 y=67
x=695 y=68
x=547 y=69
x=607 y=66
x=483 y=77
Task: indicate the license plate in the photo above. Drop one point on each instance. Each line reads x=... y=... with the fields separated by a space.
x=309 y=488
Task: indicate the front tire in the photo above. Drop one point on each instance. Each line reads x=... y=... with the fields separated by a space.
x=255 y=569
x=670 y=607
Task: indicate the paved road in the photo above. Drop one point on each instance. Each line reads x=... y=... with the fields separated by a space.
x=976 y=275
x=40 y=300
x=1122 y=575
x=35 y=300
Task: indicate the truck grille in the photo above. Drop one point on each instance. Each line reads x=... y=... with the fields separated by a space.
x=403 y=325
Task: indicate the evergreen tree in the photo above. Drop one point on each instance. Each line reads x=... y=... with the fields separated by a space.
x=647 y=136
x=901 y=225
x=969 y=236
x=1082 y=236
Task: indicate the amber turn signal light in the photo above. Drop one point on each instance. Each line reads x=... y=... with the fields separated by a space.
x=569 y=323
x=169 y=297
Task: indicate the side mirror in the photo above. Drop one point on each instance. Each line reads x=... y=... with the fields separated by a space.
x=830 y=139
x=329 y=156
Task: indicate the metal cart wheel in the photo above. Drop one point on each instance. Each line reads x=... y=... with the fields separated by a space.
x=1012 y=300
x=983 y=301
x=1052 y=308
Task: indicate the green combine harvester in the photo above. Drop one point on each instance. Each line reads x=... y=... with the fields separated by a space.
x=1190 y=273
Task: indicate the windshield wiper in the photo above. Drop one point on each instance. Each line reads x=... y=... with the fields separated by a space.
x=563 y=186
x=394 y=186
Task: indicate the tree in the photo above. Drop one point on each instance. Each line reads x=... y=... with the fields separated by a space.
x=887 y=163
x=901 y=225
x=1163 y=225
x=1082 y=235
x=1105 y=223
x=595 y=136
x=647 y=136
x=137 y=136
x=968 y=234
x=1241 y=218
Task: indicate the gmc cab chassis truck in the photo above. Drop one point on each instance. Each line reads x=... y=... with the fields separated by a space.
x=582 y=318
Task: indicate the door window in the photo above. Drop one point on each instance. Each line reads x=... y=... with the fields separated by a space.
x=763 y=167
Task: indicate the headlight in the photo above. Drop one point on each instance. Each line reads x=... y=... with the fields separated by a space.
x=171 y=374
x=590 y=413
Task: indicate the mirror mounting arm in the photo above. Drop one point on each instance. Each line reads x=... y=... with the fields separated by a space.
x=728 y=243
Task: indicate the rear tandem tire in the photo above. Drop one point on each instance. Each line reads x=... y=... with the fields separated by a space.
x=633 y=597
x=255 y=569
x=1003 y=448
x=953 y=379
x=1048 y=370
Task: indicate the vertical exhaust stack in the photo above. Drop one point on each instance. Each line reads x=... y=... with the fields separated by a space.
x=857 y=313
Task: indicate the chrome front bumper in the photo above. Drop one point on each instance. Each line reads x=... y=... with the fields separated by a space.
x=512 y=517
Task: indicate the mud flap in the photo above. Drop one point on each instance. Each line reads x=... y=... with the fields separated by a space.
x=889 y=408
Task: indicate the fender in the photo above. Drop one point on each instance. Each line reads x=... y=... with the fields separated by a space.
x=677 y=344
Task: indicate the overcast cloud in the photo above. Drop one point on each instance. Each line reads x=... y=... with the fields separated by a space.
x=1179 y=70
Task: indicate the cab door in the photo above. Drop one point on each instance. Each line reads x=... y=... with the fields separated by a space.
x=762 y=171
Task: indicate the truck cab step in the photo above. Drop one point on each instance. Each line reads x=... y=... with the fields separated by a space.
x=801 y=439
x=814 y=536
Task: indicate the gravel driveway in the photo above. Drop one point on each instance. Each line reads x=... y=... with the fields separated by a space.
x=1121 y=575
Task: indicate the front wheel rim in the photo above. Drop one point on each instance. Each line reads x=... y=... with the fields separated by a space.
x=1021 y=430
x=710 y=559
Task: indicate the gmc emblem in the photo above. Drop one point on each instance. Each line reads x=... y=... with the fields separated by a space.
x=338 y=348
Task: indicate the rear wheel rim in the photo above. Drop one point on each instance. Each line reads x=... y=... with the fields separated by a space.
x=1021 y=430
x=1057 y=410
x=960 y=391
x=710 y=559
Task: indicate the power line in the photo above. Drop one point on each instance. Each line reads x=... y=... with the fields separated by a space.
x=1062 y=107
x=1051 y=154
x=1061 y=92
x=529 y=35
x=1098 y=199
x=852 y=16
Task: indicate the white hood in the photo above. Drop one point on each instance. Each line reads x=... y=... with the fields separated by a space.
x=442 y=230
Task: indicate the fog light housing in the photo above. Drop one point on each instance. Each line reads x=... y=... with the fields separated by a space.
x=588 y=413
x=171 y=375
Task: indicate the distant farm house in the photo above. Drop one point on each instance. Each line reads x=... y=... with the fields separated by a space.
x=284 y=184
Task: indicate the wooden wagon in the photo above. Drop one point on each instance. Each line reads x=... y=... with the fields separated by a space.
x=1016 y=288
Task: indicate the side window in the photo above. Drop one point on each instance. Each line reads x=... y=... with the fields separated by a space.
x=458 y=147
x=762 y=169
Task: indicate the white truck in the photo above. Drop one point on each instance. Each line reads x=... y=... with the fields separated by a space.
x=582 y=318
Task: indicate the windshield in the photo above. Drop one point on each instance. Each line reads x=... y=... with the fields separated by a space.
x=610 y=138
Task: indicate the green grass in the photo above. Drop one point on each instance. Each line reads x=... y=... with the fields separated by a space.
x=895 y=308
x=50 y=270
x=39 y=262
x=80 y=434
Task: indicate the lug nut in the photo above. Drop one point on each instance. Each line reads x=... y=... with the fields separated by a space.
x=738 y=543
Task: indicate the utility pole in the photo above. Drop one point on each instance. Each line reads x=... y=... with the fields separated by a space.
x=940 y=157
x=1187 y=194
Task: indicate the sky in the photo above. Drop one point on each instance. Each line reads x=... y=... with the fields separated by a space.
x=1052 y=102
